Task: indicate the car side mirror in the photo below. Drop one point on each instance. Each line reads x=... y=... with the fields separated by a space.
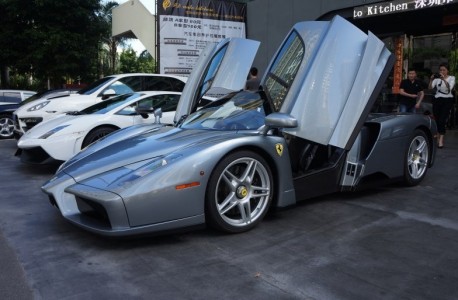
x=108 y=93
x=144 y=111
x=278 y=120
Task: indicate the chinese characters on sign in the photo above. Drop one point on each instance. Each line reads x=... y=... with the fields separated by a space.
x=388 y=7
x=187 y=26
x=397 y=76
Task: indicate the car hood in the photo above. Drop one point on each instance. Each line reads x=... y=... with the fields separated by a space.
x=141 y=147
x=54 y=102
x=46 y=126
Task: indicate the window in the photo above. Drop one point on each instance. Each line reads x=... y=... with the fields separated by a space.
x=212 y=70
x=160 y=83
x=284 y=70
x=94 y=86
x=107 y=105
x=14 y=97
x=168 y=102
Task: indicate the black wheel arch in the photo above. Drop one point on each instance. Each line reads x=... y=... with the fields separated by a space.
x=270 y=161
x=99 y=127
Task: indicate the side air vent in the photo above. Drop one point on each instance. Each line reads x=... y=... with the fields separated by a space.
x=351 y=169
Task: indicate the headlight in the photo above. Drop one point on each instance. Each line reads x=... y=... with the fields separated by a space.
x=52 y=131
x=155 y=164
x=38 y=106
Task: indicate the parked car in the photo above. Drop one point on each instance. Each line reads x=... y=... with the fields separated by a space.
x=9 y=101
x=60 y=138
x=51 y=93
x=35 y=112
x=306 y=133
x=14 y=96
x=6 y=120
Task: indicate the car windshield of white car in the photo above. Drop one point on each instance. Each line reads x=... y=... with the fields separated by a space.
x=94 y=86
x=110 y=104
x=243 y=111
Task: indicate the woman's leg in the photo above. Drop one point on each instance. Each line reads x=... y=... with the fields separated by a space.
x=441 y=111
x=437 y=112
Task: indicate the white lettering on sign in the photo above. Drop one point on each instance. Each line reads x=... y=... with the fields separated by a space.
x=396 y=6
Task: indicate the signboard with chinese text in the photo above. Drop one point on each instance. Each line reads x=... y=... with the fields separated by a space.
x=398 y=52
x=186 y=26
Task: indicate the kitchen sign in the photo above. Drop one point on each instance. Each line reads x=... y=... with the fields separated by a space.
x=397 y=6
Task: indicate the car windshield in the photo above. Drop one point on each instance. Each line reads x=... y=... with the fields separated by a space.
x=107 y=105
x=238 y=111
x=94 y=86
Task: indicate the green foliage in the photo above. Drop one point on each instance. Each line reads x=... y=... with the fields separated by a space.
x=422 y=54
x=130 y=63
x=56 y=40
x=453 y=62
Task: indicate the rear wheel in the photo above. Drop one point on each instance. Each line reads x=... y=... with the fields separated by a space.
x=239 y=192
x=417 y=158
x=96 y=134
x=6 y=126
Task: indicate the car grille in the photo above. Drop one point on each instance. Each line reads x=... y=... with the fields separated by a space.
x=93 y=211
x=30 y=122
x=35 y=156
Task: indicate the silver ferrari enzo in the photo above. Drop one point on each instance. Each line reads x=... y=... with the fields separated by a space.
x=308 y=131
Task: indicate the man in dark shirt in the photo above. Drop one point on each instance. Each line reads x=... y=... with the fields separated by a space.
x=411 y=93
x=253 y=82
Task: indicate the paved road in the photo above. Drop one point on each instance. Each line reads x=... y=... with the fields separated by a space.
x=387 y=243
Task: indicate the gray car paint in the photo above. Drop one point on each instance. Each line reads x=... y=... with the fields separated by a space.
x=152 y=203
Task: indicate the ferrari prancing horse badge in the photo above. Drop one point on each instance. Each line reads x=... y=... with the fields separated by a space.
x=279 y=148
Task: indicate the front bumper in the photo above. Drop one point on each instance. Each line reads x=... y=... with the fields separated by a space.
x=22 y=125
x=103 y=212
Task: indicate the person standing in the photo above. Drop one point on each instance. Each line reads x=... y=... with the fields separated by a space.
x=443 y=100
x=253 y=82
x=411 y=93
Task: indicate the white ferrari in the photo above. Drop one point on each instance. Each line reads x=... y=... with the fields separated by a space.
x=58 y=139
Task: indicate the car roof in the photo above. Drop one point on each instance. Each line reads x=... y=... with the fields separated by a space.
x=22 y=91
x=147 y=74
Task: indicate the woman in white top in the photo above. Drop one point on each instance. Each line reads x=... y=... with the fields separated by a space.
x=443 y=100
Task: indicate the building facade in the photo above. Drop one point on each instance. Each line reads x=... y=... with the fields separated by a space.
x=268 y=21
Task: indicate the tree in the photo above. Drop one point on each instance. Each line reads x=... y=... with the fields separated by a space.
x=130 y=63
x=108 y=44
x=51 y=39
x=146 y=63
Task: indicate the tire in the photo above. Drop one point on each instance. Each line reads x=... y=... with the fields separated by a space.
x=6 y=126
x=239 y=192
x=416 y=158
x=96 y=134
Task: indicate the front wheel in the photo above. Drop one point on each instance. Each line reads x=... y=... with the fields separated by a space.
x=6 y=127
x=417 y=158
x=239 y=192
x=96 y=134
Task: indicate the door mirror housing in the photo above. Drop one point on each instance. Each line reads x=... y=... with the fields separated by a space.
x=278 y=120
x=108 y=93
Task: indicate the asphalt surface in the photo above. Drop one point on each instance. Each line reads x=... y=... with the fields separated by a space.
x=390 y=242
